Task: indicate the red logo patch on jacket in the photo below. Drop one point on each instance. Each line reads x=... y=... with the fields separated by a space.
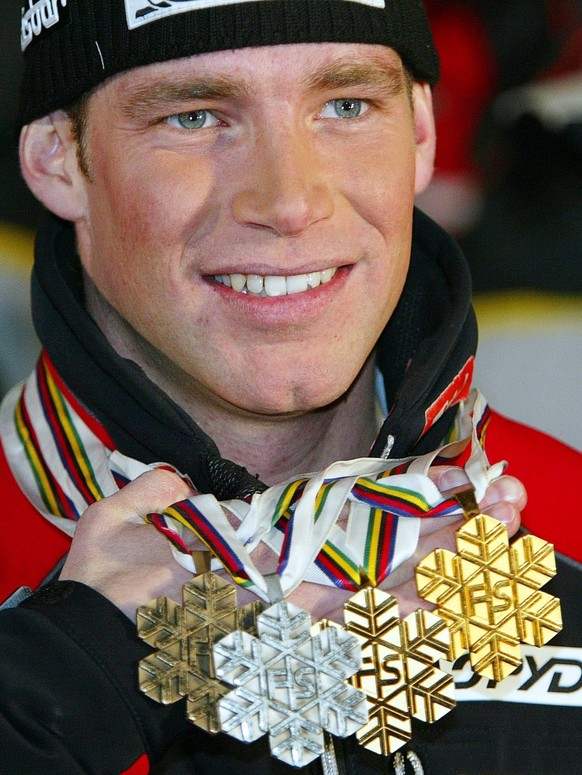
x=457 y=391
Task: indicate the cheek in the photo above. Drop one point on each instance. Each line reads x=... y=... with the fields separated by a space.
x=381 y=181
x=144 y=207
x=386 y=201
x=144 y=216
x=155 y=189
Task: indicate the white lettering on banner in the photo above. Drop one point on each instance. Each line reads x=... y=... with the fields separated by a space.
x=140 y=12
x=551 y=675
x=40 y=15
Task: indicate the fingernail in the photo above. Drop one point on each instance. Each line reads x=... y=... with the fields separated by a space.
x=502 y=512
x=451 y=478
x=502 y=490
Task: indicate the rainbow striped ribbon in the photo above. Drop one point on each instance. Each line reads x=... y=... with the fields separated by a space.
x=300 y=520
x=323 y=527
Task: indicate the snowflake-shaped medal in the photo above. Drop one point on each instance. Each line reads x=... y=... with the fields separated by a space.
x=289 y=684
x=489 y=593
x=400 y=676
x=183 y=665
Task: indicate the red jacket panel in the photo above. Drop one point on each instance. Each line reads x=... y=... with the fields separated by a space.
x=552 y=474
x=30 y=546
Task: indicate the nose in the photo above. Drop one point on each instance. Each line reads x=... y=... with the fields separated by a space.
x=283 y=186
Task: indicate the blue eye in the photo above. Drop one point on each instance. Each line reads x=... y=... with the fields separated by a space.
x=192 y=119
x=347 y=108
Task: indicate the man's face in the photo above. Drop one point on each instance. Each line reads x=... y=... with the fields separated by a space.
x=249 y=215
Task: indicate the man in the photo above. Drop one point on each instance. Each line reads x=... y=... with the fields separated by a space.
x=229 y=264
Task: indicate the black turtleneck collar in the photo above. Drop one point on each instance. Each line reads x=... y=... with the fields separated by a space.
x=430 y=336
x=427 y=342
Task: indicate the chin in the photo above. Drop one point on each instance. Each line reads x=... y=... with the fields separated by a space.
x=296 y=400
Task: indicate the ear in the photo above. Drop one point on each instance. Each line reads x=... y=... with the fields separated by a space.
x=50 y=167
x=425 y=135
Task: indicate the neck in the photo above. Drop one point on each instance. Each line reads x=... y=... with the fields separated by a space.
x=277 y=448
x=273 y=447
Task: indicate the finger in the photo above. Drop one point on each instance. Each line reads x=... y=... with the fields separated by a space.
x=505 y=489
x=153 y=491
x=506 y=512
x=448 y=478
x=503 y=500
x=114 y=548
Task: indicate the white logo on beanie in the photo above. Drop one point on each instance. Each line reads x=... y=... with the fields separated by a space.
x=39 y=16
x=140 y=12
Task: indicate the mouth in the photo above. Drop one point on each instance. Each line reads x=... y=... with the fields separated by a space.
x=275 y=285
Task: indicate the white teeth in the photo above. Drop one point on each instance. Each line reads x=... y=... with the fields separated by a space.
x=255 y=283
x=313 y=279
x=297 y=283
x=275 y=285
x=238 y=281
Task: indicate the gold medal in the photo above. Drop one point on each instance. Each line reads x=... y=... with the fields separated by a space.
x=489 y=592
x=400 y=676
x=184 y=636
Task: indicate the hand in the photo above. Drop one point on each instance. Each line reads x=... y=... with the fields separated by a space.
x=118 y=554
x=504 y=500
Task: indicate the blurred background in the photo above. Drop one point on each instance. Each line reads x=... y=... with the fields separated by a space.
x=508 y=186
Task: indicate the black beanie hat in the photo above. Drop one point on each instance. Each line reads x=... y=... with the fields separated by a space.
x=71 y=46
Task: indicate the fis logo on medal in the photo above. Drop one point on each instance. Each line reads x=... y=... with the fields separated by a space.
x=140 y=12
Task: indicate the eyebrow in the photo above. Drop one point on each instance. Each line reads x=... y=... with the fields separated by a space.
x=164 y=92
x=389 y=78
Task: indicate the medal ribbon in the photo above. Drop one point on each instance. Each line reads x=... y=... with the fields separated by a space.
x=323 y=527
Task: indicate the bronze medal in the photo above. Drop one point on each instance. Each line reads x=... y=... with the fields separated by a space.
x=184 y=636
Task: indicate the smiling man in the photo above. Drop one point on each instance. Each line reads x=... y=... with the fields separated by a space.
x=218 y=180
x=231 y=283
